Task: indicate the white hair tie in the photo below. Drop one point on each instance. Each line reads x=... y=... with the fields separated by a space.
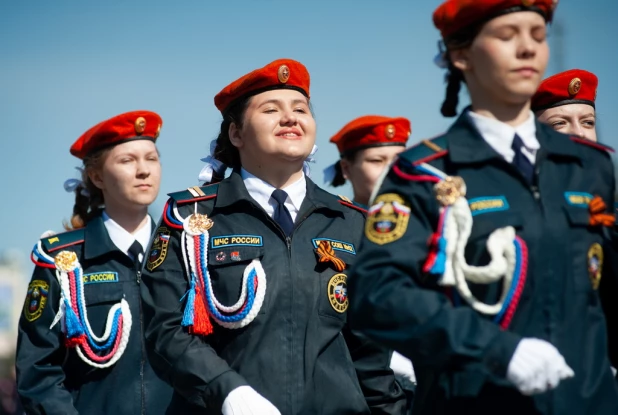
x=71 y=185
x=212 y=165
x=309 y=159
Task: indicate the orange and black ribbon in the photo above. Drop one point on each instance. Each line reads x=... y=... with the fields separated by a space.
x=598 y=214
x=327 y=254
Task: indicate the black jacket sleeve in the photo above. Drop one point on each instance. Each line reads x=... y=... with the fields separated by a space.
x=41 y=352
x=185 y=361
x=393 y=303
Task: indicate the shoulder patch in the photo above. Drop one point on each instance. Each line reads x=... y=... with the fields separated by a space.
x=426 y=151
x=346 y=201
x=63 y=240
x=195 y=193
x=36 y=298
x=592 y=144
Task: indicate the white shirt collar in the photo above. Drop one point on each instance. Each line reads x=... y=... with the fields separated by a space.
x=500 y=135
x=124 y=239
x=261 y=192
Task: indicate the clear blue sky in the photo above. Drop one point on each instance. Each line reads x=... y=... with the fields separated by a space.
x=67 y=65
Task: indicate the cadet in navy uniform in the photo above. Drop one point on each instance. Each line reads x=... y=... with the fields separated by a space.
x=80 y=347
x=566 y=102
x=260 y=260
x=367 y=146
x=484 y=246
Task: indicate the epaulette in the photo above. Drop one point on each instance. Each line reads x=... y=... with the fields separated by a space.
x=63 y=240
x=425 y=151
x=195 y=194
x=346 y=201
x=592 y=144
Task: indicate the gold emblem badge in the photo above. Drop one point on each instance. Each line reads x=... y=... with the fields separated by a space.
x=388 y=219
x=199 y=223
x=283 y=74
x=36 y=298
x=390 y=131
x=595 y=264
x=338 y=293
x=449 y=190
x=527 y=3
x=66 y=261
x=574 y=86
x=140 y=125
x=158 y=249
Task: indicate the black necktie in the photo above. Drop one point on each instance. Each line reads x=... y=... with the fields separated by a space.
x=135 y=250
x=520 y=160
x=282 y=214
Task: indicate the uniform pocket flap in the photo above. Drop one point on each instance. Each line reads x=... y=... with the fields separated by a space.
x=98 y=293
x=577 y=216
x=485 y=224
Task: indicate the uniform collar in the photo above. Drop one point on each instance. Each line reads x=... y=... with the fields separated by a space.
x=98 y=239
x=466 y=145
x=232 y=190
x=500 y=135
x=124 y=239
x=261 y=192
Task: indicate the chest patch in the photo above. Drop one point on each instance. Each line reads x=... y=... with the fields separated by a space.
x=336 y=245
x=487 y=204
x=579 y=199
x=338 y=292
x=100 y=277
x=595 y=264
x=235 y=240
x=36 y=298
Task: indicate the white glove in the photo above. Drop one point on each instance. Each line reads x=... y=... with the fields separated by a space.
x=536 y=367
x=402 y=366
x=244 y=400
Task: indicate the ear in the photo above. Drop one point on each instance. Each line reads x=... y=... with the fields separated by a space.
x=235 y=136
x=345 y=168
x=460 y=59
x=96 y=179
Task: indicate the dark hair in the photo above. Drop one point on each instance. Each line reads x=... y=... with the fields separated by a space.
x=225 y=150
x=455 y=77
x=88 y=198
x=339 y=180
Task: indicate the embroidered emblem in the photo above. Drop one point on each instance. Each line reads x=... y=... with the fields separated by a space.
x=388 y=219
x=99 y=277
x=595 y=265
x=338 y=293
x=579 y=199
x=53 y=240
x=480 y=205
x=337 y=245
x=235 y=240
x=326 y=253
x=220 y=257
x=449 y=190
x=36 y=298
x=235 y=256
x=158 y=250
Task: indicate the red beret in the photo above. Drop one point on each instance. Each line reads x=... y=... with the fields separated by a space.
x=455 y=15
x=280 y=74
x=372 y=131
x=134 y=125
x=571 y=87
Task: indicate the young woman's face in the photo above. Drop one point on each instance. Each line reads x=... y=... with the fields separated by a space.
x=572 y=119
x=277 y=127
x=366 y=168
x=130 y=175
x=507 y=58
